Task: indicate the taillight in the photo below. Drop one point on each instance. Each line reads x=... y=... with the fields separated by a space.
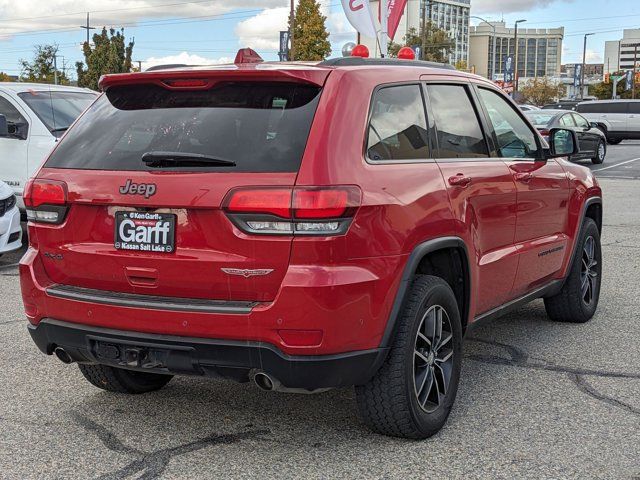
x=545 y=134
x=45 y=201
x=293 y=211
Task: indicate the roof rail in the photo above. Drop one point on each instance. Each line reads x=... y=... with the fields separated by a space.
x=359 y=61
x=166 y=67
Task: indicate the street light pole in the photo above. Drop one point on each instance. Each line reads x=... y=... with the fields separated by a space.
x=584 y=61
x=493 y=61
x=515 y=88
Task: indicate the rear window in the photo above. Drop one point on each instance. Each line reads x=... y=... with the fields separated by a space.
x=539 y=118
x=261 y=127
x=57 y=110
x=603 y=107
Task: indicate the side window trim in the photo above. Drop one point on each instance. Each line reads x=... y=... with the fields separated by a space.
x=433 y=128
x=428 y=119
x=492 y=134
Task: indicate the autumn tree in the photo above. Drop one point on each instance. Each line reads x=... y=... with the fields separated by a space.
x=541 y=90
x=310 y=35
x=4 y=77
x=109 y=54
x=42 y=69
x=435 y=44
x=604 y=91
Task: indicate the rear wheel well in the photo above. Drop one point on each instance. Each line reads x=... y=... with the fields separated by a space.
x=450 y=264
x=594 y=212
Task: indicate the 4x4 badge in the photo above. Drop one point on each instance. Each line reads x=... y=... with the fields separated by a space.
x=246 y=273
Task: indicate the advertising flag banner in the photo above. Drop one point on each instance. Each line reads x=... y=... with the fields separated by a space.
x=359 y=14
x=396 y=9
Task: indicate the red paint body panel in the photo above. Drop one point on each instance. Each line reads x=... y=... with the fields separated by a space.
x=344 y=286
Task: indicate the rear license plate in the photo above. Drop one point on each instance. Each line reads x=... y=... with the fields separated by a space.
x=145 y=232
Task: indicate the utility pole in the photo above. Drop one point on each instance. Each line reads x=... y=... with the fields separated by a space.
x=384 y=20
x=584 y=62
x=292 y=18
x=423 y=29
x=515 y=88
x=55 y=69
x=88 y=27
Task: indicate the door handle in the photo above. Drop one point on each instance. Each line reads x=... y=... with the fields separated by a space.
x=459 y=180
x=524 y=177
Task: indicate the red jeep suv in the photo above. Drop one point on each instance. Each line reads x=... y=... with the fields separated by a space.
x=303 y=226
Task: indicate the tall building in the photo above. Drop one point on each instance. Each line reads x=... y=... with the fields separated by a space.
x=450 y=15
x=620 y=54
x=539 y=50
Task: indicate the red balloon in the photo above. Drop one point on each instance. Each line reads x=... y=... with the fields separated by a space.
x=406 y=53
x=360 y=51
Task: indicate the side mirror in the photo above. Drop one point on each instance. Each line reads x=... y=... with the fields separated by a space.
x=4 y=128
x=562 y=143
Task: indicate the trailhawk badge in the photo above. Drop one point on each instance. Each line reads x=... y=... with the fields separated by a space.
x=246 y=273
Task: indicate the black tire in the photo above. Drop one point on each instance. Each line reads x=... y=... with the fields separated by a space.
x=389 y=404
x=601 y=153
x=119 y=380
x=574 y=304
x=614 y=141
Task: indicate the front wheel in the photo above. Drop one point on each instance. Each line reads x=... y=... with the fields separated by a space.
x=578 y=300
x=412 y=394
x=601 y=153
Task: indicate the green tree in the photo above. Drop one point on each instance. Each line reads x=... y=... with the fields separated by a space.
x=310 y=35
x=604 y=91
x=4 y=77
x=109 y=54
x=462 y=65
x=435 y=43
x=541 y=90
x=42 y=68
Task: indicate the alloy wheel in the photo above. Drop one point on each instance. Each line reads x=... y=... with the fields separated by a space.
x=601 y=151
x=588 y=271
x=433 y=358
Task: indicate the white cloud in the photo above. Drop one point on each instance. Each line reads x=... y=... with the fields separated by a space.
x=510 y=6
x=594 y=56
x=184 y=58
x=262 y=31
x=27 y=15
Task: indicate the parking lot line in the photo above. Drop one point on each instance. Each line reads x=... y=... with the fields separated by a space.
x=616 y=165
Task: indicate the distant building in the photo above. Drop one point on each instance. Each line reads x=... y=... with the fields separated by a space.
x=451 y=16
x=539 y=50
x=591 y=69
x=620 y=54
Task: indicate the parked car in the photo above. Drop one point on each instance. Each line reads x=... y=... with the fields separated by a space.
x=619 y=119
x=305 y=227
x=36 y=117
x=562 y=105
x=10 y=228
x=592 y=142
x=527 y=108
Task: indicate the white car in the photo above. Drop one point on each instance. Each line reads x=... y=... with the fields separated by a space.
x=32 y=118
x=10 y=228
x=618 y=119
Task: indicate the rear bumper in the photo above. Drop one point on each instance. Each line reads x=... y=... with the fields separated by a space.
x=206 y=357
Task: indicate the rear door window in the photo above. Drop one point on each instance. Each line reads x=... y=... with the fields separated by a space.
x=57 y=110
x=634 y=108
x=457 y=124
x=603 y=107
x=259 y=126
x=398 y=126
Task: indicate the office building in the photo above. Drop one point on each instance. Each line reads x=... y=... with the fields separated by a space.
x=621 y=54
x=539 y=50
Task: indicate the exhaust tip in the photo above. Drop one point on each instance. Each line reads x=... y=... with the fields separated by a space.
x=62 y=355
x=263 y=381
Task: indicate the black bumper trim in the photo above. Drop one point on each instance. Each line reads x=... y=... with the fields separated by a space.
x=174 y=304
x=212 y=357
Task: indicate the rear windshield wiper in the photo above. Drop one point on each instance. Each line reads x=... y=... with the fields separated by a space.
x=184 y=159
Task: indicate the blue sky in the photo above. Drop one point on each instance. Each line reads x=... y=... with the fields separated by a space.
x=208 y=31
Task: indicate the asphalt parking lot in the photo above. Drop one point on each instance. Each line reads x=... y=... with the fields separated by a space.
x=537 y=399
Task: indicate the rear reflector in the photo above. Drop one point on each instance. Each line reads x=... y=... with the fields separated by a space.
x=280 y=210
x=301 y=338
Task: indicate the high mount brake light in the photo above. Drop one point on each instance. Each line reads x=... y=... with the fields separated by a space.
x=293 y=211
x=45 y=201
